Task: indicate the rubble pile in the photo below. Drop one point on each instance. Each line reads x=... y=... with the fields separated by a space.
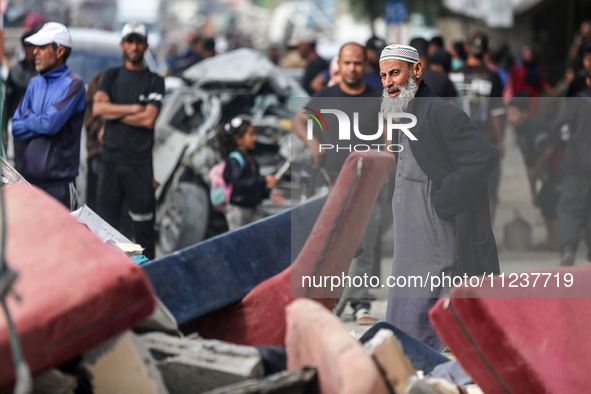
x=90 y=320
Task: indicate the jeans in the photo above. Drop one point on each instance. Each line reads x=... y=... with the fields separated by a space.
x=421 y=356
x=359 y=296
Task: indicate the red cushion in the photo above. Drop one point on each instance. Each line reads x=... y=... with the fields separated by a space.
x=519 y=339
x=76 y=290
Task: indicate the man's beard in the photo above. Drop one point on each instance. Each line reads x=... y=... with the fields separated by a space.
x=140 y=60
x=354 y=83
x=401 y=102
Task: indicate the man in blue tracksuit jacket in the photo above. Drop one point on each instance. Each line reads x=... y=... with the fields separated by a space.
x=50 y=116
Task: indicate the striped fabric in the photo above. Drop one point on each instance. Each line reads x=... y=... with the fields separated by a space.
x=400 y=52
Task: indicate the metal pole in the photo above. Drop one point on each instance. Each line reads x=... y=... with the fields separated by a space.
x=2 y=13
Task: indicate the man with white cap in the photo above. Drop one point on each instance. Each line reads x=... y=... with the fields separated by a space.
x=440 y=204
x=50 y=116
x=305 y=44
x=129 y=98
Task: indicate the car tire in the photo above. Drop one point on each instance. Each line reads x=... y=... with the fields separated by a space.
x=184 y=220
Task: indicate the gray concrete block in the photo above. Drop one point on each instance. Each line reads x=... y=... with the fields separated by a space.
x=161 y=320
x=195 y=365
x=300 y=381
x=54 y=381
x=123 y=365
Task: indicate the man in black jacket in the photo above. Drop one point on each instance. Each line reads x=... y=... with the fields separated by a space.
x=16 y=86
x=305 y=44
x=440 y=205
x=574 y=206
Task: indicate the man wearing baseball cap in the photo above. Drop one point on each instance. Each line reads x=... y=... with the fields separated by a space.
x=305 y=44
x=50 y=116
x=129 y=98
x=481 y=90
x=373 y=49
x=440 y=206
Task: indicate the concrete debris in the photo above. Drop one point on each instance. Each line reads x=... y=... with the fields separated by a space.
x=54 y=381
x=122 y=366
x=300 y=381
x=161 y=320
x=197 y=365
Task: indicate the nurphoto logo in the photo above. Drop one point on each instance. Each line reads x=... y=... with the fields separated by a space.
x=344 y=131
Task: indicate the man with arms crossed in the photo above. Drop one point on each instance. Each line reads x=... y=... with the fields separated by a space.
x=129 y=98
x=50 y=116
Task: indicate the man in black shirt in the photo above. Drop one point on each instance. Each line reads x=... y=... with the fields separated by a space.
x=306 y=47
x=129 y=98
x=352 y=64
x=574 y=206
x=437 y=81
x=481 y=90
x=352 y=96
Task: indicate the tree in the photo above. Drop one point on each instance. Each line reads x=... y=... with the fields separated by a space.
x=368 y=10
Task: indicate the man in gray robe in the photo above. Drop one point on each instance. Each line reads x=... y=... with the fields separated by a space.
x=440 y=204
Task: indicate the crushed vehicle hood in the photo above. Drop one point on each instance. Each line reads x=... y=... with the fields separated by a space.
x=242 y=68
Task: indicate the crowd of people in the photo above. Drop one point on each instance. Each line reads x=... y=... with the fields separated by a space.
x=446 y=181
x=496 y=92
x=478 y=77
x=483 y=80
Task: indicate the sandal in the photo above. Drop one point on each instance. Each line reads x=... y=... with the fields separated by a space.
x=364 y=318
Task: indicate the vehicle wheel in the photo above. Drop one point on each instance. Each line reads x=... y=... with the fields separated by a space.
x=184 y=219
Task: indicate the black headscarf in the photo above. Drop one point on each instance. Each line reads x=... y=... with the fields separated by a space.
x=532 y=71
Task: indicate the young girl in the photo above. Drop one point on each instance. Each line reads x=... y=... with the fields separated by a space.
x=249 y=187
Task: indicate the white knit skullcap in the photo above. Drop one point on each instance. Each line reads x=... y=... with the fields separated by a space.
x=400 y=52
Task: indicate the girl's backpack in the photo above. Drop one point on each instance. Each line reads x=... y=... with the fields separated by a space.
x=220 y=192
